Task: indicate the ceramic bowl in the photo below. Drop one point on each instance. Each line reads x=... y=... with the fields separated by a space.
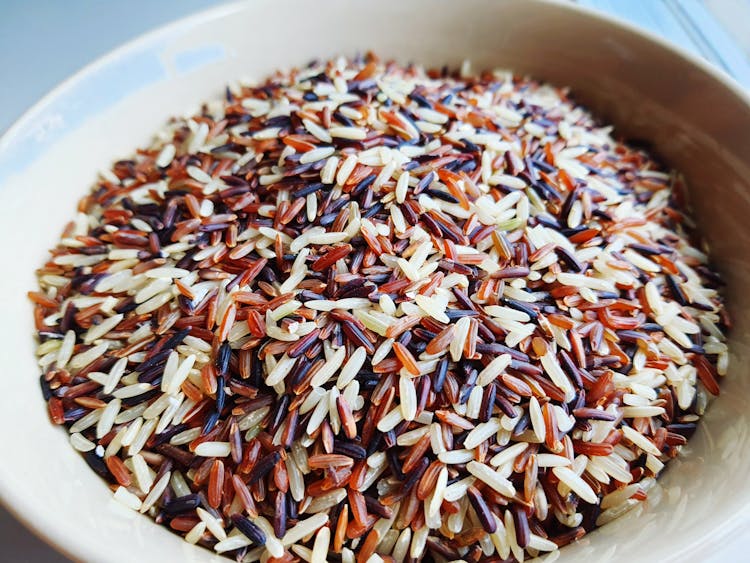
x=694 y=117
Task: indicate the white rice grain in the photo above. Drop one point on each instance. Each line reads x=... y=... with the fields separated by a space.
x=320 y=546
x=408 y=397
x=156 y=491
x=128 y=499
x=482 y=432
x=576 y=484
x=212 y=524
x=213 y=449
x=491 y=478
x=107 y=418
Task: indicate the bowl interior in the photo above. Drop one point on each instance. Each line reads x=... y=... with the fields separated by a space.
x=696 y=120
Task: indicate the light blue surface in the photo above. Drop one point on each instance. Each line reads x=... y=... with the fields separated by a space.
x=42 y=42
x=689 y=24
x=715 y=39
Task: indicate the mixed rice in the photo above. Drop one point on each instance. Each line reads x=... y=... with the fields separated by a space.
x=367 y=312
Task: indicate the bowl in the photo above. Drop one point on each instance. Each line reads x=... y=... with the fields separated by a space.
x=695 y=118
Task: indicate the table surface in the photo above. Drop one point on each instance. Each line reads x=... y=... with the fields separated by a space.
x=36 y=50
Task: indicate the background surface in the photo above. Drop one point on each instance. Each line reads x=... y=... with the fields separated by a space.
x=42 y=42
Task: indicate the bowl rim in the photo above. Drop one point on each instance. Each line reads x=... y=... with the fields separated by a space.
x=29 y=514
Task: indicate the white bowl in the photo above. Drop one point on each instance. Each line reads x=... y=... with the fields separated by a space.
x=697 y=119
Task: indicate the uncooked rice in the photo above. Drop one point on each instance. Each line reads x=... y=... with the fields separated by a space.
x=362 y=311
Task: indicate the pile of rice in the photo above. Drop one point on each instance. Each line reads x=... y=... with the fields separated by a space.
x=367 y=312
